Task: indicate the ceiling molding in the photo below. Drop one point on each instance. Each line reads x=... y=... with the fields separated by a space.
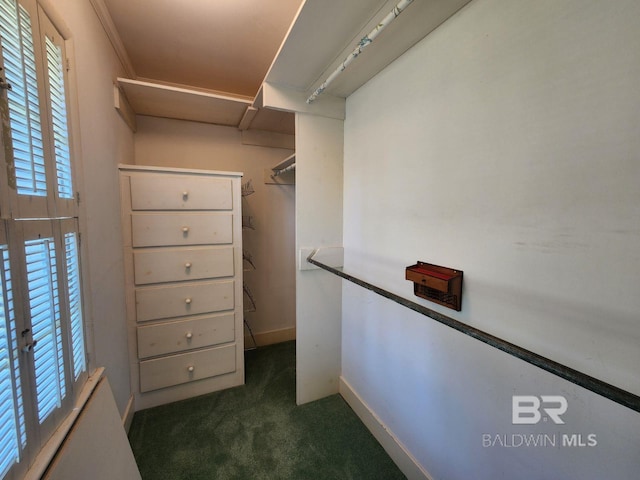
x=110 y=29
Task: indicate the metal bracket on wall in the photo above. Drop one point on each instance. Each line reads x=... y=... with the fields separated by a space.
x=332 y=256
x=284 y=173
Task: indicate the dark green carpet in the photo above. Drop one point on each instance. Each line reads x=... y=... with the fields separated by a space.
x=257 y=432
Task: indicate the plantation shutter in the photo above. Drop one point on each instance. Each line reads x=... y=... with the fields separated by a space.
x=23 y=110
x=43 y=363
x=75 y=303
x=12 y=423
x=46 y=328
x=57 y=110
x=59 y=115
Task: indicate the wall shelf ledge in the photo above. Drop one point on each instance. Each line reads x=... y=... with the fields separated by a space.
x=282 y=173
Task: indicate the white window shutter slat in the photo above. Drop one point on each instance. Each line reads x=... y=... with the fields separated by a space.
x=55 y=69
x=75 y=303
x=12 y=424
x=45 y=325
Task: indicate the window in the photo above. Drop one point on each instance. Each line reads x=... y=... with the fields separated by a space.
x=23 y=101
x=42 y=347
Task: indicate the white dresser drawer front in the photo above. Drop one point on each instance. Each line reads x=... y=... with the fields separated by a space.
x=168 y=192
x=154 y=303
x=151 y=230
x=175 y=337
x=186 y=367
x=179 y=264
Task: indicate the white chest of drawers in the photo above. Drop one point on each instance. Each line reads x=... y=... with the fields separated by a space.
x=182 y=232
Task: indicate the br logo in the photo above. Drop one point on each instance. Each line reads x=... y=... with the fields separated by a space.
x=526 y=409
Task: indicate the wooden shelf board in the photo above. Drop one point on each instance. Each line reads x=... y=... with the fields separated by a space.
x=285 y=163
x=158 y=100
x=303 y=62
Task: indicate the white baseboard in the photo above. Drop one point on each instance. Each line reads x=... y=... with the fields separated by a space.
x=398 y=453
x=269 y=338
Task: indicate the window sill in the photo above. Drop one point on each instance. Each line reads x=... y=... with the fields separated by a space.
x=48 y=452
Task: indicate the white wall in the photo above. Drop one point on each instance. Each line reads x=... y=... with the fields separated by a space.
x=106 y=141
x=319 y=151
x=505 y=145
x=182 y=144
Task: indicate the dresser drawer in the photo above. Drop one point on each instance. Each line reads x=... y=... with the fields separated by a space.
x=179 y=264
x=186 y=367
x=185 y=299
x=176 y=192
x=174 y=337
x=155 y=229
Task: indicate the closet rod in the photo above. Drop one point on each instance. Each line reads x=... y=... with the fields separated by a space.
x=284 y=170
x=365 y=41
x=576 y=377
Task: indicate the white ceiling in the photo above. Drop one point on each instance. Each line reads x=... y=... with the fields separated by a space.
x=219 y=45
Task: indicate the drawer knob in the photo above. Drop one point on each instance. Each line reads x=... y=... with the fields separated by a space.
x=185 y=194
x=189 y=335
x=187 y=265
x=191 y=368
x=187 y=301
x=185 y=229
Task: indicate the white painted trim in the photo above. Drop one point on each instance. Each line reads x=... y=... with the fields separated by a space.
x=247 y=118
x=49 y=450
x=170 y=101
x=396 y=450
x=278 y=97
x=129 y=411
x=168 y=88
x=150 y=168
x=246 y=99
x=114 y=37
x=270 y=338
x=123 y=107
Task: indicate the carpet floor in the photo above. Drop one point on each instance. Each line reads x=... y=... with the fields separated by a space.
x=256 y=431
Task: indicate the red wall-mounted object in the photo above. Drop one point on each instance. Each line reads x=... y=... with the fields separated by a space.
x=438 y=284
